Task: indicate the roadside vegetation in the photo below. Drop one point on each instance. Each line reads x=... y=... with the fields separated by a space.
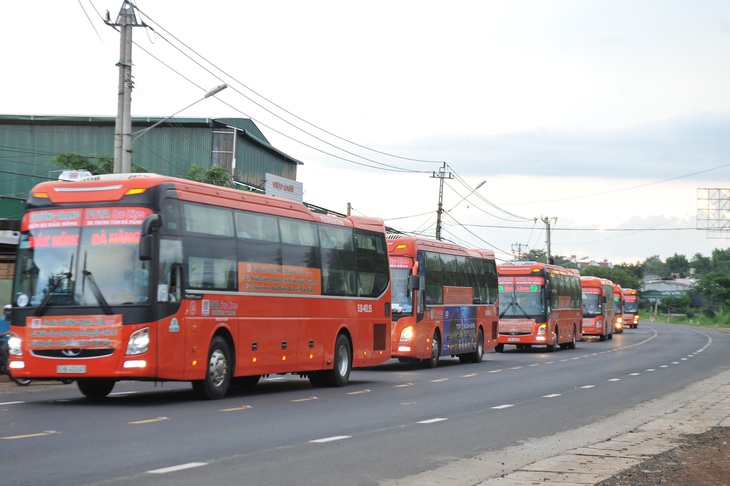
x=706 y=305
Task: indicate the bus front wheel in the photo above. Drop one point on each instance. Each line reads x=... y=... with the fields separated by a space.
x=217 y=373
x=433 y=361
x=552 y=347
x=95 y=388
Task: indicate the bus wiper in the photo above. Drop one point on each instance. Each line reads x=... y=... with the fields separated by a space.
x=63 y=276
x=95 y=290
x=520 y=308
x=49 y=295
x=506 y=308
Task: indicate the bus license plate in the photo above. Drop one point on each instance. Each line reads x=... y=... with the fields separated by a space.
x=513 y=340
x=68 y=369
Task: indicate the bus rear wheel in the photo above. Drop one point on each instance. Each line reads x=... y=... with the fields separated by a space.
x=339 y=375
x=217 y=373
x=478 y=355
x=95 y=388
x=571 y=345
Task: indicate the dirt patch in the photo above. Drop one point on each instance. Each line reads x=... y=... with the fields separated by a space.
x=700 y=460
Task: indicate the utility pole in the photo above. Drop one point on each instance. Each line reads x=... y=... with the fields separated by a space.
x=123 y=125
x=546 y=220
x=517 y=250
x=442 y=174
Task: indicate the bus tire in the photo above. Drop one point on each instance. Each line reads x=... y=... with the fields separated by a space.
x=571 y=345
x=339 y=375
x=553 y=346
x=317 y=379
x=478 y=355
x=21 y=381
x=433 y=361
x=217 y=371
x=96 y=388
x=499 y=348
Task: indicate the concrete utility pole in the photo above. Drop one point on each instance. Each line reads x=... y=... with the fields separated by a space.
x=442 y=174
x=123 y=126
x=517 y=250
x=546 y=220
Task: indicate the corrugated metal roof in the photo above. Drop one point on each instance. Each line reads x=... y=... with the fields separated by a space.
x=29 y=142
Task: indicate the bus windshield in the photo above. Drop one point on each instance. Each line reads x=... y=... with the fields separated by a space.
x=591 y=305
x=521 y=297
x=81 y=257
x=402 y=298
x=631 y=306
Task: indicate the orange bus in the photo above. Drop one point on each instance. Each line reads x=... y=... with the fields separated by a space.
x=444 y=300
x=618 y=309
x=598 y=307
x=631 y=308
x=539 y=304
x=148 y=277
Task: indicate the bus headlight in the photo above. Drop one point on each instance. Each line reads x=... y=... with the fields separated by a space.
x=139 y=341
x=15 y=347
x=406 y=334
x=542 y=329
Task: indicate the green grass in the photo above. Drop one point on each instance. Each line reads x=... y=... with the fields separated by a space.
x=715 y=322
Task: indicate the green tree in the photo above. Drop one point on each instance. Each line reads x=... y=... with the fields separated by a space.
x=676 y=305
x=95 y=164
x=721 y=260
x=716 y=288
x=216 y=175
x=701 y=264
x=636 y=269
x=617 y=275
x=535 y=256
x=655 y=266
x=677 y=264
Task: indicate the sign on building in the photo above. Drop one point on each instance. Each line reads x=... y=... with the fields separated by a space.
x=282 y=187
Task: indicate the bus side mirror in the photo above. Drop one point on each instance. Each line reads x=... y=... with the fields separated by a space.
x=149 y=225
x=414 y=282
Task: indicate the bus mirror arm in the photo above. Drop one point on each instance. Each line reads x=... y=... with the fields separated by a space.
x=150 y=224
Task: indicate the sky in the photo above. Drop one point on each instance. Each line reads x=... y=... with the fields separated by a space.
x=605 y=119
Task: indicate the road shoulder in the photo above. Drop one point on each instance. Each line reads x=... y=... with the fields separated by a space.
x=593 y=453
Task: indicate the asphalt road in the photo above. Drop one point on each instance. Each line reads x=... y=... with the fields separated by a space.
x=390 y=423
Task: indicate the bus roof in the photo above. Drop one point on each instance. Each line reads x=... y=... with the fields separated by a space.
x=113 y=187
x=410 y=244
x=526 y=267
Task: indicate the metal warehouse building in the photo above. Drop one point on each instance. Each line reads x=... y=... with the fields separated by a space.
x=28 y=143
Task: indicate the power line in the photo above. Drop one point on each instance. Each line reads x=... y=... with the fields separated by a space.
x=281 y=108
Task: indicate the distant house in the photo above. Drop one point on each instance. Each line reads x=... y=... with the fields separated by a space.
x=656 y=288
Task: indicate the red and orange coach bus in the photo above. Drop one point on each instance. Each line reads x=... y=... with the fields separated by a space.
x=618 y=309
x=598 y=307
x=444 y=300
x=539 y=304
x=631 y=308
x=147 y=277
